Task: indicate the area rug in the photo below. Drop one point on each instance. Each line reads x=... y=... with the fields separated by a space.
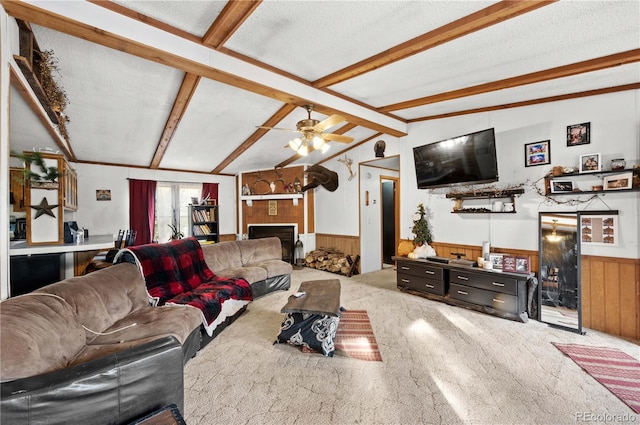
x=355 y=337
x=615 y=369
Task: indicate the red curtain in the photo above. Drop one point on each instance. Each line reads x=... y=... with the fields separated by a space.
x=142 y=208
x=211 y=190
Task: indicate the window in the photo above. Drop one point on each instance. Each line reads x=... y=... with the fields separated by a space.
x=172 y=201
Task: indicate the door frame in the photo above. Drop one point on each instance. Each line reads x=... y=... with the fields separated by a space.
x=396 y=213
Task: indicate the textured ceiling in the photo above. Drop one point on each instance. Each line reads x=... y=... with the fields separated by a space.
x=185 y=85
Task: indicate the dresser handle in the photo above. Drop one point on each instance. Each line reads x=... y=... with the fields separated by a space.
x=405 y=280
x=462 y=292
x=495 y=300
x=405 y=268
x=429 y=286
x=463 y=277
x=429 y=272
x=497 y=283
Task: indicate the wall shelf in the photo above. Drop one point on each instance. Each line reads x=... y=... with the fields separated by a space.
x=574 y=177
x=272 y=197
x=484 y=194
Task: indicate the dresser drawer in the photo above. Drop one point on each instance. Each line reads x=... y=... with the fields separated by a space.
x=421 y=269
x=487 y=280
x=422 y=284
x=496 y=300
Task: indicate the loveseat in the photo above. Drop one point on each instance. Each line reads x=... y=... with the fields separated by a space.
x=90 y=349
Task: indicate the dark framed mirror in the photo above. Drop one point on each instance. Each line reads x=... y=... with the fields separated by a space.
x=559 y=270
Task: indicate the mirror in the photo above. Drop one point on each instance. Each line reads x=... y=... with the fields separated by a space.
x=559 y=271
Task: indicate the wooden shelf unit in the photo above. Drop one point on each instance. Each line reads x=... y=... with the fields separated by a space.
x=485 y=194
x=573 y=177
x=203 y=222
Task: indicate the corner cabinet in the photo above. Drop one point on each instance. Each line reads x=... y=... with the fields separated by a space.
x=498 y=201
x=203 y=222
x=595 y=182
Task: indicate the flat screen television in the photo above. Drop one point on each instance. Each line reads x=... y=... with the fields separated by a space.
x=467 y=159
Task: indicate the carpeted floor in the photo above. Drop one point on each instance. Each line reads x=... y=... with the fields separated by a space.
x=441 y=365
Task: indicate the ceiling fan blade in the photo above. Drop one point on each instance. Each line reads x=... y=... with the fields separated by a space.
x=328 y=122
x=336 y=138
x=278 y=128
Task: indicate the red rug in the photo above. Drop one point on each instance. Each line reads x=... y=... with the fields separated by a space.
x=355 y=337
x=615 y=369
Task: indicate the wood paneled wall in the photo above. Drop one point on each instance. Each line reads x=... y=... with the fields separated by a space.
x=259 y=212
x=611 y=295
x=349 y=245
x=610 y=288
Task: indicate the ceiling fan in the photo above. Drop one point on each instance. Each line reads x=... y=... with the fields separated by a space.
x=313 y=135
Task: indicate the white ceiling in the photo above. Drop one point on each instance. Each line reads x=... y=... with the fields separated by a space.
x=121 y=99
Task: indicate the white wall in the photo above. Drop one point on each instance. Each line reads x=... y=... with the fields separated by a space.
x=106 y=217
x=615 y=133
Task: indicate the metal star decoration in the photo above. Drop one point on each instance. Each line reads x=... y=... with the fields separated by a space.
x=44 y=208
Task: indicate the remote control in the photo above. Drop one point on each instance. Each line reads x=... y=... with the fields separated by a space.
x=299 y=294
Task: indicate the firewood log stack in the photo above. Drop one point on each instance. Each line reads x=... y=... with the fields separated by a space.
x=331 y=260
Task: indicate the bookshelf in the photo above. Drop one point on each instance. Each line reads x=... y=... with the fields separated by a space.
x=203 y=222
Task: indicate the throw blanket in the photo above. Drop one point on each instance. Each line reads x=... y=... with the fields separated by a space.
x=176 y=273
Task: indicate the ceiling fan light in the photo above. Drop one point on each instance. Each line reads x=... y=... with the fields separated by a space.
x=325 y=148
x=318 y=142
x=295 y=143
x=303 y=150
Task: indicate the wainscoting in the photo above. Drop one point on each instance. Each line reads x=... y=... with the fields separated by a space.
x=349 y=245
x=611 y=295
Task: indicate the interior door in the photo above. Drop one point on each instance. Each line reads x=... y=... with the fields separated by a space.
x=388 y=221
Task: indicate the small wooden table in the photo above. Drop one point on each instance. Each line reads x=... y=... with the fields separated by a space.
x=312 y=320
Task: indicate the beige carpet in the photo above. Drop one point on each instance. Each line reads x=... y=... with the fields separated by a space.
x=441 y=365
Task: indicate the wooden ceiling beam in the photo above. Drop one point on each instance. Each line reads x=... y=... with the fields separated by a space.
x=590 y=65
x=477 y=21
x=257 y=135
x=232 y=16
x=185 y=93
x=341 y=130
x=587 y=93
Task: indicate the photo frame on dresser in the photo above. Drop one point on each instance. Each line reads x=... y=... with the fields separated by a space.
x=496 y=260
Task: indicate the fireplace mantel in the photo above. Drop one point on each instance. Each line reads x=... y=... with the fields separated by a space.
x=271 y=197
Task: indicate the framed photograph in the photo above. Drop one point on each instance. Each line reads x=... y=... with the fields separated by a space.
x=194 y=201
x=579 y=134
x=537 y=153
x=561 y=186
x=496 y=260
x=599 y=229
x=618 y=181
x=103 y=195
x=273 y=207
x=590 y=162
x=516 y=264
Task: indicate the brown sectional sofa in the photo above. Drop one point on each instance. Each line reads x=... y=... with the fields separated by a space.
x=91 y=349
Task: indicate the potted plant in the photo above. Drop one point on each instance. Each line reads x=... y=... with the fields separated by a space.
x=175 y=232
x=36 y=171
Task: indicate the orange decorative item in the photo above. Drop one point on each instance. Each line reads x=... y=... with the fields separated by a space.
x=405 y=247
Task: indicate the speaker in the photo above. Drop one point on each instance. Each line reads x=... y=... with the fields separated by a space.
x=68 y=226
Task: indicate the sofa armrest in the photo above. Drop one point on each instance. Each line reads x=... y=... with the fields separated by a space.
x=114 y=389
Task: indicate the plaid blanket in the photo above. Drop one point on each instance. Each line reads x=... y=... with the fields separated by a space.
x=176 y=273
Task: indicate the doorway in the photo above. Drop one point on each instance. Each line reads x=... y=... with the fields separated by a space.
x=389 y=217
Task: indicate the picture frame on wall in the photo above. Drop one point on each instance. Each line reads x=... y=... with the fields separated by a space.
x=537 y=153
x=103 y=195
x=561 y=186
x=590 y=163
x=599 y=229
x=618 y=181
x=579 y=134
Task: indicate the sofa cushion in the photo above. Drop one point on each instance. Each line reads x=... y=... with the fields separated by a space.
x=107 y=296
x=272 y=267
x=169 y=320
x=250 y=274
x=40 y=333
x=255 y=250
x=222 y=255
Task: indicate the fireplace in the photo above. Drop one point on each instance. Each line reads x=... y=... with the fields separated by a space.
x=284 y=232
